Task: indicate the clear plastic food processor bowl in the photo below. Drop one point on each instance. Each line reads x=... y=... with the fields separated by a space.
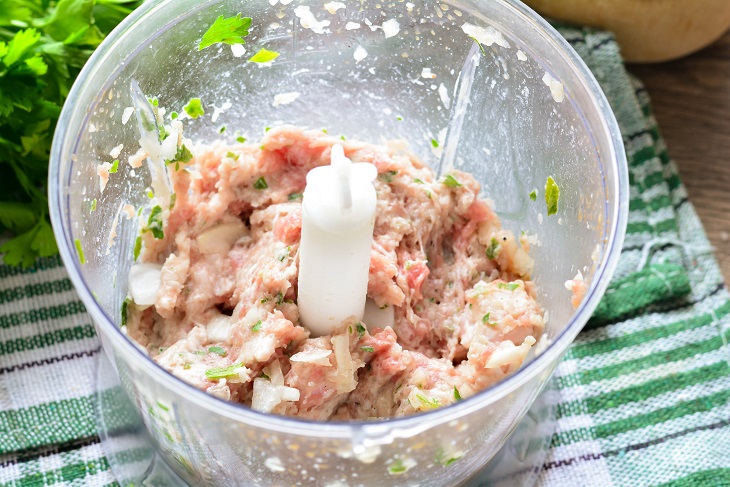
x=492 y=113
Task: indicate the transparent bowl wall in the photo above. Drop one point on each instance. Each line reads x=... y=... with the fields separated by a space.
x=513 y=135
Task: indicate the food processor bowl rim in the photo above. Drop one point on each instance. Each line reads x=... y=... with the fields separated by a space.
x=393 y=427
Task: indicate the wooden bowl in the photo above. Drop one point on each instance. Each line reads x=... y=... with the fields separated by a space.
x=647 y=30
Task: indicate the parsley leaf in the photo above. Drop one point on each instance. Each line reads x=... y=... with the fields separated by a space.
x=295 y=196
x=493 y=249
x=257 y=326
x=533 y=195
x=154 y=223
x=194 y=108
x=137 y=247
x=360 y=329
x=260 y=183
x=230 y=30
x=263 y=56
x=457 y=395
x=508 y=286
x=552 y=195
x=115 y=167
x=387 y=176
x=451 y=182
x=125 y=311
x=367 y=348
x=218 y=350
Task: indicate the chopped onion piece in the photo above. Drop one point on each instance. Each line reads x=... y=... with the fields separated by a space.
x=266 y=396
x=316 y=357
x=273 y=370
x=345 y=380
x=219 y=329
x=509 y=354
x=144 y=283
x=221 y=238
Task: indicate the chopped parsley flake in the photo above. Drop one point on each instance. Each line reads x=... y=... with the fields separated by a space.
x=481 y=48
x=260 y=183
x=397 y=467
x=93 y=204
x=431 y=402
x=434 y=143
x=230 y=30
x=257 y=326
x=115 y=167
x=367 y=348
x=264 y=376
x=173 y=199
x=552 y=195
x=154 y=102
x=174 y=115
x=493 y=249
x=400 y=119
x=218 y=350
x=457 y=395
x=533 y=195
x=509 y=286
x=279 y=298
x=222 y=372
x=416 y=180
x=284 y=254
x=324 y=131
x=342 y=137
x=194 y=108
x=80 y=251
x=264 y=300
x=183 y=154
x=485 y=318
x=125 y=310
x=295 y=196
x=451 y=182
x=154 y=223
x=232 y=155
x=360 y=329
x=137 y=247
x=263 y=56
x=387 y=176
x=266 y=129
x=241 y=139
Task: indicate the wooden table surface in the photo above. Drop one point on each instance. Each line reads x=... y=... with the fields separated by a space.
x=691 y=100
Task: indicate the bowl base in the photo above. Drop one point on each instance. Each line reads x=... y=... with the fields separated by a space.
x=133 y=459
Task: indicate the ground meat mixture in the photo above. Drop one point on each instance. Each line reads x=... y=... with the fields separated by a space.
x=225 y=317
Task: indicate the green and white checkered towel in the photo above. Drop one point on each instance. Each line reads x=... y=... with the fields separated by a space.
x=644 y=391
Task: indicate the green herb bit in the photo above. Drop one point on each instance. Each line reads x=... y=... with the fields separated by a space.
x=154 y=223
x=266 y=129
x=533 y=195
x=260 y=183
x=360 y=329
x=295 y=196
x=80 y=251
x=418 y=181
x=367 y=348
x=263 y=56
x=399 y=118
x=552 y=195
x=137 y=247
x=154 y=102
x=115 y=167
x=218 y=350
x=485 y=318
x=509 y=286
x=93 y=204
x=187 y=366
x=284 y=254
x=481 y=48
x=342 y=137
x=125 y=311
x=173 y=199
x=194 y=108
x=257 y=326
x=264 y=300
x=174 y=115
x=434 y=143
x=241 y=139
x=222 y=129
x=223 y=372
x=232 y=155
x=451 y=182
x=264 y=376
x=279 y=298
x=387 y=176
x=493 y=249
x=430 y=402
x=230 y=30
x=397 y=467
x=162 y=406
x=163 y=133
x=150 y=194
x=324 y=131
x=457 y=394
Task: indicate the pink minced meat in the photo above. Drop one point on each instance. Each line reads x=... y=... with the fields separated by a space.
x=465 y=309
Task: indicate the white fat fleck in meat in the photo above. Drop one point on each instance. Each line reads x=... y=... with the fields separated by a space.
x=333 y=7
x=557 y=91
x=285 y=98
x=391 y=28
x=116 y=151
x=127 y=114
x=238 y=50
x=102 y=170
x=444 y=95
x=359 y=54
x=485 y=35
x=309 y=21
